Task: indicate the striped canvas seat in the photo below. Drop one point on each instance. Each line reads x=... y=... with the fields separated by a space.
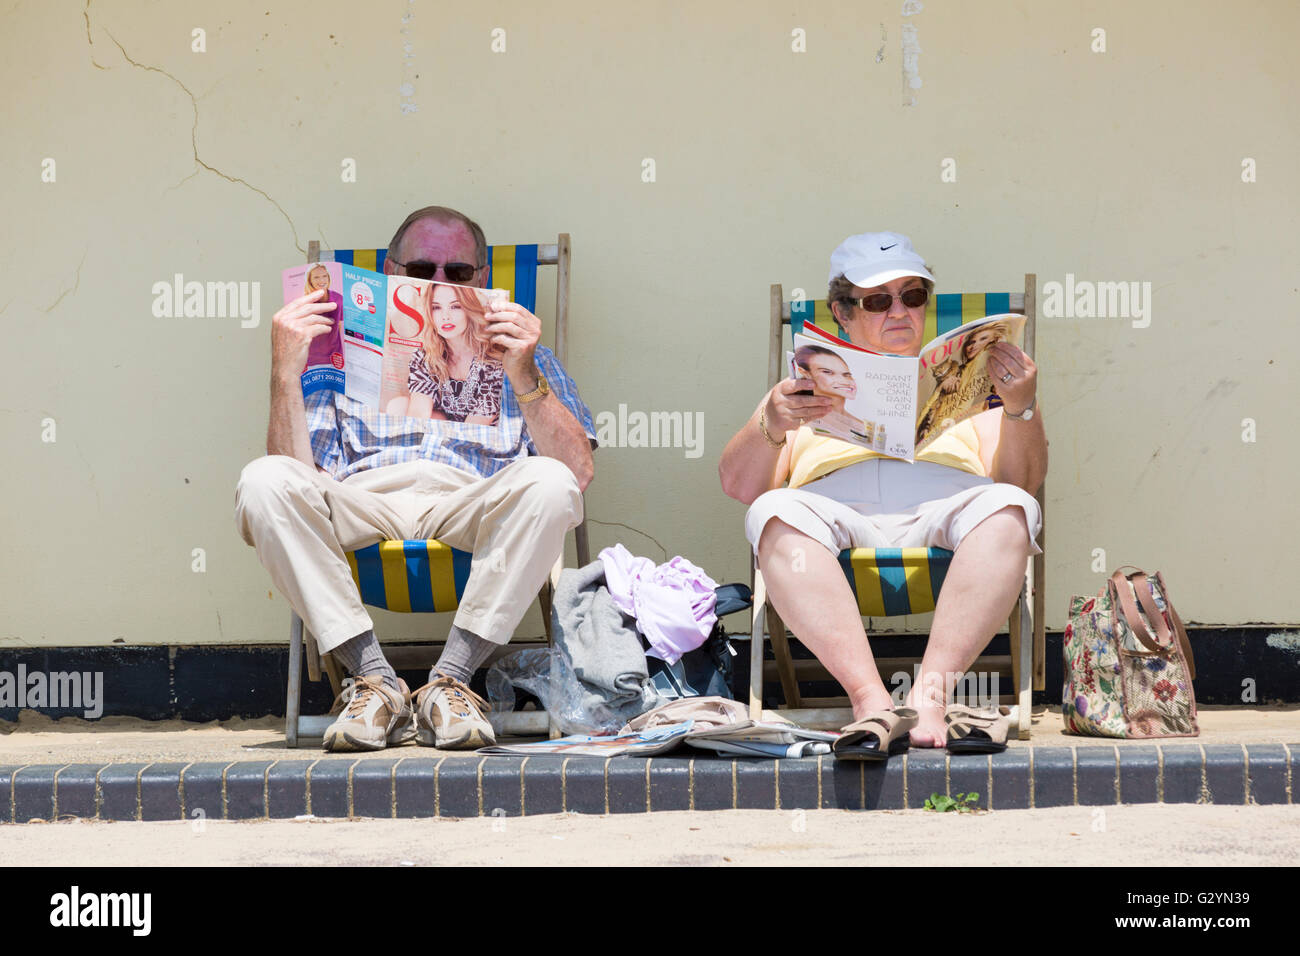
x=509 y=267
x=943 y=313
x=889 y=582
x=893 y=581
x=414 y=576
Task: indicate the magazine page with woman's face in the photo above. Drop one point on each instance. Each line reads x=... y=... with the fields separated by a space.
x=438 y=361
x=953 y=381
x=325 y=360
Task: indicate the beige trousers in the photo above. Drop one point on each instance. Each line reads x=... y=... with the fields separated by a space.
x=301 y=522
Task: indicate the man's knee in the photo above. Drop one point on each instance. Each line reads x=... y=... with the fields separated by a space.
x=549 y=486
x=266 y=482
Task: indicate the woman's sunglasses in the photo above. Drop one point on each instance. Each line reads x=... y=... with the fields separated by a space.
x=454 y=271
x=881 y=301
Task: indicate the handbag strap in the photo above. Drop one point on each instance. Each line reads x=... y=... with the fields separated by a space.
x=1122 y=595
x=1142 y=586
x=1179 y=629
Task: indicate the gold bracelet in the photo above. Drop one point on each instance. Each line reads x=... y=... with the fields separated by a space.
x=762 y=427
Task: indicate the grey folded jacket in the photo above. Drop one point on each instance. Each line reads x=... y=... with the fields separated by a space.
x=603 y=645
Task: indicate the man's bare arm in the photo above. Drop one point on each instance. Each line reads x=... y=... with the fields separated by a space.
x=557 y=434
x=292 y=331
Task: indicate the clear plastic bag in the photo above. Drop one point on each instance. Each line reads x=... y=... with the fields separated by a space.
x=547 y=674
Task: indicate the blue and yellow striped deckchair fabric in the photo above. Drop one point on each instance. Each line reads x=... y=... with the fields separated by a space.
x=943 y=313
x=509 y=267
x=422 y=576
x=410 y=575
x=890 y=581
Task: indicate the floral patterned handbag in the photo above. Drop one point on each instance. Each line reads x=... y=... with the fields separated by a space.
x=1122 y=680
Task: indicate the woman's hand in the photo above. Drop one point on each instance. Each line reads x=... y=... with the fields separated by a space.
x=787 y=410
x=1014 y=375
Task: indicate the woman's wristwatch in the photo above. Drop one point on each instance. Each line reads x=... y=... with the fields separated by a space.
x=1024 y=416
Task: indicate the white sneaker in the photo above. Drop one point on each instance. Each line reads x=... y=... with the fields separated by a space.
x=371 y=715
x=449 y=715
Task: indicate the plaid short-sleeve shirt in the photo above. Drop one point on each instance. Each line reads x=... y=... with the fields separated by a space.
x=348 y=437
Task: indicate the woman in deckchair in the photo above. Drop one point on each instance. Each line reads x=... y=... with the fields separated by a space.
x=971 y=491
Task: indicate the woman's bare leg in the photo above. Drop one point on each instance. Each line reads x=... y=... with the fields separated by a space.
x=981 y=587
x=808 y=588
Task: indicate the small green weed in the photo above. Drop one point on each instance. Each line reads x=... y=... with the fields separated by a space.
x=962 y=803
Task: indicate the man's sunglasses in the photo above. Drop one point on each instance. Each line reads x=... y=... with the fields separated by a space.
x=881 y=301
x=423 y=269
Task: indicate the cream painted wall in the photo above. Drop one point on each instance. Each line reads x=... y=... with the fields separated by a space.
x=1115 y=166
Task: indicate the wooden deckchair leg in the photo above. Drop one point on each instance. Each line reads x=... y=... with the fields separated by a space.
x=335 y=671
x=313 y=652
x=547 y=602
x=293 y=698
x=756 y=647
x=1024 y=662
x=784 y=663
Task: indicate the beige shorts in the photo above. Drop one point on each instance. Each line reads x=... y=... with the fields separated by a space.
x=889 y=503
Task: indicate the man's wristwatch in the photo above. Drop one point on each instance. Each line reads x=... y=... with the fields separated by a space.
x=1024 y=416
x=541 y=391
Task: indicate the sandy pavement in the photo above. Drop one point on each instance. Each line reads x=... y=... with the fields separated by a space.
x=1074 y=836
x=36 y=739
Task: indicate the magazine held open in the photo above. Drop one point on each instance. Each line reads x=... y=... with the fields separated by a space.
x=898 y=404
x=403 y=346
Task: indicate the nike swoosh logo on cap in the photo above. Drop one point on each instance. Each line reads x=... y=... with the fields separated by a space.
x=887 y=248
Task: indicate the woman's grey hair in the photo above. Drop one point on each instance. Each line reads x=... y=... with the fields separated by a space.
x=442 y=214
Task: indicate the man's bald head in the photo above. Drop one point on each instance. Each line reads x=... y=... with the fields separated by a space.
x=439 y=234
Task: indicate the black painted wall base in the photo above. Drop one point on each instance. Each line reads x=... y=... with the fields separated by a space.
x=1243 y=666
x=217 y=683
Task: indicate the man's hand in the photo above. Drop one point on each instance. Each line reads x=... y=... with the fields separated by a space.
x=515 y=332
x=787 y=409
x=292 y=331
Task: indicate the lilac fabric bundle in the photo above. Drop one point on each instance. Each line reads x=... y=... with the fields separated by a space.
x=673 y=603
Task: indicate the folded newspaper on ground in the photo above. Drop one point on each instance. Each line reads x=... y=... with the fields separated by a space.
x=397 y=342
x=898 y=404
x=647 y=743
x=762 y=739
x=747 y=738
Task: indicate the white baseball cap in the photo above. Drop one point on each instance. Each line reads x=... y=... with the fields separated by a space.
x=874 y=258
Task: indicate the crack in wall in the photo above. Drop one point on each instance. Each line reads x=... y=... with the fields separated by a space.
x=66 y=292
x=194 y=130
x=630 y=528
x=89 y=42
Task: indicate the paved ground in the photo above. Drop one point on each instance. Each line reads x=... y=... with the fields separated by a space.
x=35 y=739
x=1075 y=836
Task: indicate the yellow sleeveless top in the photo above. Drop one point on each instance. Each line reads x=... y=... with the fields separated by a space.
x=814 y=456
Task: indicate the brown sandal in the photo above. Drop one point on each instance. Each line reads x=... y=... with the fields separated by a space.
x=977 y=731
x=876 y=736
